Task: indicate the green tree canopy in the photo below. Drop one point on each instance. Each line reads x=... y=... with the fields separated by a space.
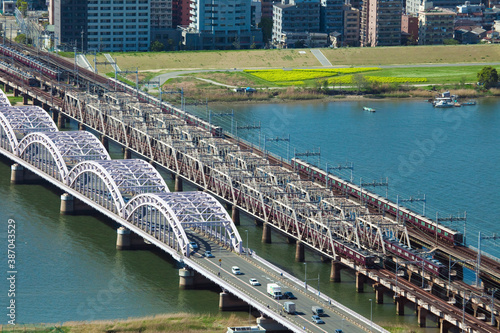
x=488 y=77
x=157 y=46
x=21 y=39
x=22 y=6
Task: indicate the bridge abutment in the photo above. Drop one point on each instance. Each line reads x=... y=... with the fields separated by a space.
x=335 y=271
x=178 y=184
x=299 y=252
x=229 y=302
x=235 y=214
x=266 y=233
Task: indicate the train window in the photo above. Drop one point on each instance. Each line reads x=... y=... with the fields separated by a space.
x=439 y=230
x=423 y=223
x=445 y=233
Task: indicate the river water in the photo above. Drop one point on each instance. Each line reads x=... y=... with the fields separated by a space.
x=68 y=268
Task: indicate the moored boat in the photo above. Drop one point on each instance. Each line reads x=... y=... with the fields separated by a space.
x=366 y=108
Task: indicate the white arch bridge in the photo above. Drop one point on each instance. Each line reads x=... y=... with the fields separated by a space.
x=132 y=189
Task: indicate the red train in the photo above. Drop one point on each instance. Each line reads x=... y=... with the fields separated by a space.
x=14 y=72
x=30 y=61
x=421 y=222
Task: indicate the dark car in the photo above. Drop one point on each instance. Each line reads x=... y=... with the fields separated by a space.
x=289 y=295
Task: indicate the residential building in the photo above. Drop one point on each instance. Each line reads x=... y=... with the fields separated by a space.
x=380 y=23
x=435 y=24
x=220 y=24
x=102 y=25
x=292 y=16
x=351 y=26
x=267 y=8
x=331 y=16
x=162 y=26
x=8 y=7
x=256 y=9
x=409 y=25
x=413 y=6
x=181 y=13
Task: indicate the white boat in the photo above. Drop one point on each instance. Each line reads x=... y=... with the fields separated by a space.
x=443 y=103
x=366 y=108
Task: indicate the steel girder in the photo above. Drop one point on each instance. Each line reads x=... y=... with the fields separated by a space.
x=66 y=149
x=17 y=122
x=119 y=180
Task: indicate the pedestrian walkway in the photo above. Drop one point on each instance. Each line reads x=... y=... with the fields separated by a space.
x=321 y=57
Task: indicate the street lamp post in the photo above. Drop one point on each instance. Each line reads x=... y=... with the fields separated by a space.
x=371 y=314
x=246 y=252
x=305 y=275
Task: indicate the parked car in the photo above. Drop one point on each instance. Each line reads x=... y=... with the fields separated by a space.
x=254 y=282
x=235 y=270
x=193 y=245
x=209 y=254
x=289 y=295
x=317 y=320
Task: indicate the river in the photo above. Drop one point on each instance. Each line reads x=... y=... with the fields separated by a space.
x=68 y=268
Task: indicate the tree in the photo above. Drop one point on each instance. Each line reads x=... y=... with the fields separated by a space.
x=359 y=82
x=21 y=39
x=266 y=24
x=488 y=77
x=450 y=41
x=157 y=46
x=22 y=6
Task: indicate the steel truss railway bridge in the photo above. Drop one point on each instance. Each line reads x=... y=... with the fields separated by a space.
x=235 y=172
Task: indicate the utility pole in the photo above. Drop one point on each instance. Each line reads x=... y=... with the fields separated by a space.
x=450 y=218
x=277 y=139
x=478 y=264
x=249 y=127
x=377 y=183
x=308 y=153
x=339 y=168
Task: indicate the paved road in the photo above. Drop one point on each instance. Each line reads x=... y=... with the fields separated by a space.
x=336 y=318
x=321 y=57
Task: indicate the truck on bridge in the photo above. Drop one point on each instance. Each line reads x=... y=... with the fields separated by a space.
x=274 y=290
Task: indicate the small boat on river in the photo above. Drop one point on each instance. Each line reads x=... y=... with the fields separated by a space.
x=366 y=108
x=471 y=102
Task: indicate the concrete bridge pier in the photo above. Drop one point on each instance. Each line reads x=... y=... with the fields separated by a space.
x=81 y=127
x=61 y=121
x=127 y=153
x=335 y=271
x=379 y=293
x=16 y=174
x=444 y=326
x=299 y=252
x=67 y=204
x=55 y=115
x=266 y=233
x=178 y=184
x=235 y=214
x=105 y=142
x=400 y=305
x=5 y=87
x=229 y=302
x=25 y=99
x=422 y=315
x=122 y=238
x=360 y=282
x=16 y=92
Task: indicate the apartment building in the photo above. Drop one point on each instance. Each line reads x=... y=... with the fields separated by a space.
x=435 y=25
x=380 y=23
x=220 y=24
x=351 y=26
x=102 y=25
x=331 y=16
x=292 y=16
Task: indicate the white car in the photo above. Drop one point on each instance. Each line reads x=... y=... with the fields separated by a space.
x=193 y=245
x=254 y=282
x=235 y=270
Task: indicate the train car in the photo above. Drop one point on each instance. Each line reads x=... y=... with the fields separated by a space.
x=14 y=72
x=30 y=62
x=421 y=222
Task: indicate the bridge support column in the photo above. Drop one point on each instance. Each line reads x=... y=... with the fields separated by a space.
x=67 y=204
x=335 y=271
x=16 y=92
x=127 y=154
x=186 y=278
x=299 y=252
x=235 y=214
x=178 y=184
x=25 y=99
x=291 y=240
x=81 y=127
x=229 y=302
x=422 y=314
x=360 y=282
x=379 y=293
x=122 y=238
x=61 y=121
x=400 y=305
x=258 y=222
x=105 y=142
x=5 y=87
x=16 y=174
x=444 y=326
x=266 y=233
x=55 y=115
